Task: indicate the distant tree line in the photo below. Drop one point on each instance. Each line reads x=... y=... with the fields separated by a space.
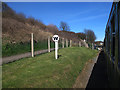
x=87 y=35
x=64 y=26
x=90 y=35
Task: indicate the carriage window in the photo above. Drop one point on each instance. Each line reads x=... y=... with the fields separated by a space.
x=113 y=38
x=108 y=41
x=113 y=47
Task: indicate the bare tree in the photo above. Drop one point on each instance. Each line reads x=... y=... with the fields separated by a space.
x=90 y=35
x=64 y=26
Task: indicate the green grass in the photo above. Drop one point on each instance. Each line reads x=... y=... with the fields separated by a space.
x=18 y=48
x=43 y=71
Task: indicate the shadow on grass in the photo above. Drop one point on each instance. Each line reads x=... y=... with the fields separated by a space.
x=59 y=56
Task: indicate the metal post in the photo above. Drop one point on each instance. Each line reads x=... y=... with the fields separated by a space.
x=56 y=49
x=58 y=46
x=56 y=39
x=32 y=45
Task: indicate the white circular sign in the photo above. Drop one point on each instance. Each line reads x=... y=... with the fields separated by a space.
x=55 y=38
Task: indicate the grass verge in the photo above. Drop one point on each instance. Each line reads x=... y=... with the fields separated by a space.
x=43 y=71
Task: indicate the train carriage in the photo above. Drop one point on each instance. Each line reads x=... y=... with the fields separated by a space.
x=112 y=46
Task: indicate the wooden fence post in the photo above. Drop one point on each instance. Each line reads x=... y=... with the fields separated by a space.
x=70 y=43
x=92 y=46
x=63 y=43
x=79 y=44
x=48 y=44
x=32 y=45
x=66 y=43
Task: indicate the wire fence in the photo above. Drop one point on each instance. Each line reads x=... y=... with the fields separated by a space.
x=33 y=45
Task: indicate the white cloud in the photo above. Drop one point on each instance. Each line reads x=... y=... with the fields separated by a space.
x=79 y=13
x=88 y=18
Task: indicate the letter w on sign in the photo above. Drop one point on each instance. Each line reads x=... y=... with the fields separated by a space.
x=55 y=38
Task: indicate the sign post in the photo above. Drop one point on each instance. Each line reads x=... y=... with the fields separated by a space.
x=55 y=38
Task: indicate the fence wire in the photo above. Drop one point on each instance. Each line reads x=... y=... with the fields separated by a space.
x=23 y=45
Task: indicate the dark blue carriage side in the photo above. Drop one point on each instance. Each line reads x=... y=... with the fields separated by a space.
x=112 y=45
x=119 y=35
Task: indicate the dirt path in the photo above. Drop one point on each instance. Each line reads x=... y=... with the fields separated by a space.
x=82 y=79
x=17 y=57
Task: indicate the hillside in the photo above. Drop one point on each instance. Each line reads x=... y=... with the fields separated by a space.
x=16 y=28
x=14 y=31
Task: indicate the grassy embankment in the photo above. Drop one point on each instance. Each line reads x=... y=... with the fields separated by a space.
x=44 y=71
